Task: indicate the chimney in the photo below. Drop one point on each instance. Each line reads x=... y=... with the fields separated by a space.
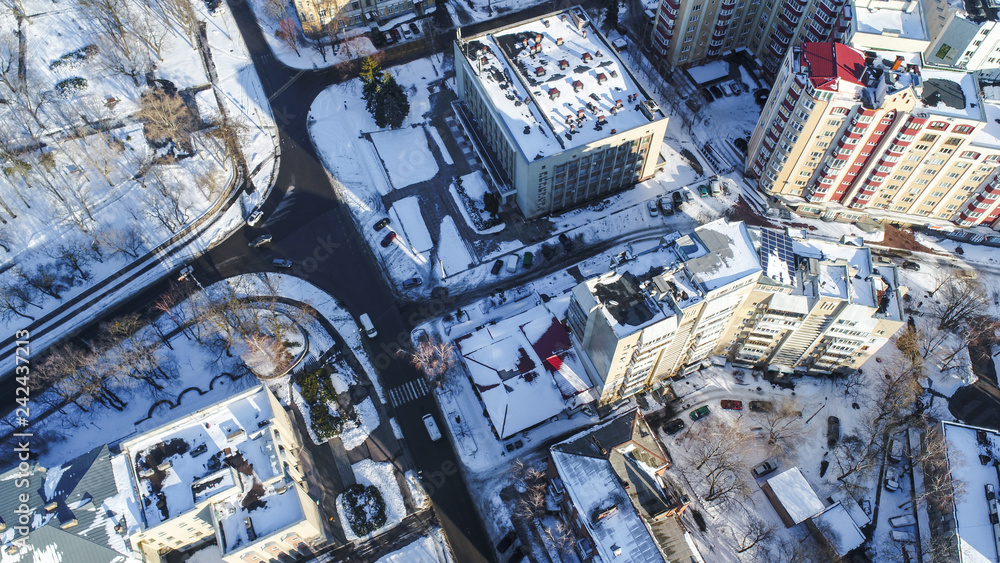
x=601 y=119
x=614 y=74
x=559 y=41
x=553 y=93
x=568 y=119
x=618 y=104
x=580 y=113
x=572 y=128
x=586 y=57
x=613 y=131
x=601 y=79
x=598 y=54
x=539 y=71
x=524 y=42
x=577 y=85
x=563 y=64
x=538 y=38
x=585 y=34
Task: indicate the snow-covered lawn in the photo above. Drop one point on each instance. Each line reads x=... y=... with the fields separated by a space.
x=455 y=256
x=355 y=433
x=380 y=475
x=432 y=548
x=406 y=156
x=471 y=205
x=410 y=224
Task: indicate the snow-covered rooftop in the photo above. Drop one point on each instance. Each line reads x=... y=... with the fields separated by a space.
x=839 y=529
x=724 y=254
x=273 y=512
x=795 y=495
x=191 y=459
x=895 y=19
x=524 y=369
x=556 y=82
x=972 y=513
x=950 y=93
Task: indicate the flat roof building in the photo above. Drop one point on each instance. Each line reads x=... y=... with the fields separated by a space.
x=556 y=114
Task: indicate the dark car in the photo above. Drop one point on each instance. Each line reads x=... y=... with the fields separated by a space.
x=674 y=426
x=699 y=413
x=414 y=28
x=504 y=544
x=412 y=282
x=387 y=240
x=496 y=267
x=908 y=265
x=678 y=199
x=732 y=405
x=396 y=35
x=707 y=94
x=281 y=263
x=528 y=258
x=666 y=207
x=383 y=223
x=764 y=468
x=760 y=406
x=832 y=431
x=716 y=91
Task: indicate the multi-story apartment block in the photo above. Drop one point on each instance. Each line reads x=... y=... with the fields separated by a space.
x=232 y=470
x=557 y=117
x=752 y=295
x=612 y=487
x=689 y=32
x=847 y=133
x=327 y=17
x=965 y=35
x=889 y=25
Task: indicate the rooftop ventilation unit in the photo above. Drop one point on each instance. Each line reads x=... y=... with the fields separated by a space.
x=649 y=109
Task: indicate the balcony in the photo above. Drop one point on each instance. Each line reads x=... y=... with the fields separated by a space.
x=788 y=21
x=675 y=4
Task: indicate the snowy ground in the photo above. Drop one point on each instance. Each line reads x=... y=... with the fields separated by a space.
x=405 y=155
x=432 y=548
x=116 y=210
x=381 y=475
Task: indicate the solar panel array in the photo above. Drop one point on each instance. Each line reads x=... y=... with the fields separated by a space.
x=777 y=243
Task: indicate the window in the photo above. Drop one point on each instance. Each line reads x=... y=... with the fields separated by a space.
x=922 y=182
x=938 y=125
x=953 y=141
x=954 y=174
x=833 y=123
x=694 y=18
x=920 y=148
x=839 y=111
x=970 y=154
x=906 y=168
x=928 y=138
x=963 y=129
x=696 y=8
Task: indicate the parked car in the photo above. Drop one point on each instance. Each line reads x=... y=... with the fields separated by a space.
x=414 y=28
x=388 y=238
x=699 y=413
x=716 y=91
x=407 y=34
x=726 y=89
x=262 y=240
x=254 y=217
x=496 y=267
x=761 y=406
x=714 y=187
x=674 y=426
x=707 y=94
x=895 y=450
x=389 y=39
x=366 y=323
x=395 y=34
x=900 y=536
x=764 y=468
x=891 y=484
x=912 y=266
x=432 y=427
x=382 y=223
x=703 y=190
x=902 y=521
x=663 y=202
x=832 y=431
x=504 y=544
x=736 y=89
x=528 y=258
x=412 y=282
x=281 y=263
x=732 y=405
x=678 y=199
x=518 y=556
x=651 y=206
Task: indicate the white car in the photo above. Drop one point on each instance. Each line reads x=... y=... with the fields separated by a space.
x=432 y=427
x=651 y=206
x=255 y=216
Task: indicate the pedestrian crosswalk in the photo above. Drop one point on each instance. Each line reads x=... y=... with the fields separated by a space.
x=407 y=392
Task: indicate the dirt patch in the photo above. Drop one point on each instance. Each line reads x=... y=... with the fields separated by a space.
x=743 y=212
x=903 y=239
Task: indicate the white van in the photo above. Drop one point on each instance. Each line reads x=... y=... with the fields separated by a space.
x=432 y=427
x=512 y=261
x=896 y=450
x=366 y=322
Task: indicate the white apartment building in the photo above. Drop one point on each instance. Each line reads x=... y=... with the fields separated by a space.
x=847 y=133
x=556 y=117
x=966 y=35
x=231 y=470
x=690 y=32
x=756 y=296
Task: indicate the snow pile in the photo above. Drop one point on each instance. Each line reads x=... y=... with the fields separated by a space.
x=432 y=548
x=380 y=475
x=417 y=493
x=452 y=252
x=406 y=215
x=355 y=433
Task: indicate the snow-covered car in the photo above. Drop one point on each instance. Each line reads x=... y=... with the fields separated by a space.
x=760 y=406
x=407 y=34
x=382 y=223
x=912 y=266
x=281 y=263
x=891 y=484
x=736 y=88
x=255 y=216
x=651 y=206
x=260 y=241
x=764 y=468
x=412 y=282
x=732 y=405
x=899 y=536
x=902 y=521
x=432 y=427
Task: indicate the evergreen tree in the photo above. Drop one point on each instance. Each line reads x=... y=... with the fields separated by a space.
x=491 y=203
x=391 y=106
x=611 y=14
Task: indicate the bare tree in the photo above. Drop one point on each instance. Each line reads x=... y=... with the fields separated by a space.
x=959 y=299
x=288 y=31
x=126 y=240
x=75 y=256
x=783 y=423
x=755 y=532
x=717 y=452
x=165 y=116
x=15 y=298
x=43 y=277
x=853 y=382
x=529 y=483
x=433 y=357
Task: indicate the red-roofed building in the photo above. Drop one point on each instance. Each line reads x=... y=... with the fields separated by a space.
x=848 y=134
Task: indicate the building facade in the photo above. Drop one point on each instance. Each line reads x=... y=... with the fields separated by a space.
x=752 y=295
x=691 y=32
x=557 y=117
x=231 y=471
x=847 y=134
x=329 y=18
x=965 y=36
